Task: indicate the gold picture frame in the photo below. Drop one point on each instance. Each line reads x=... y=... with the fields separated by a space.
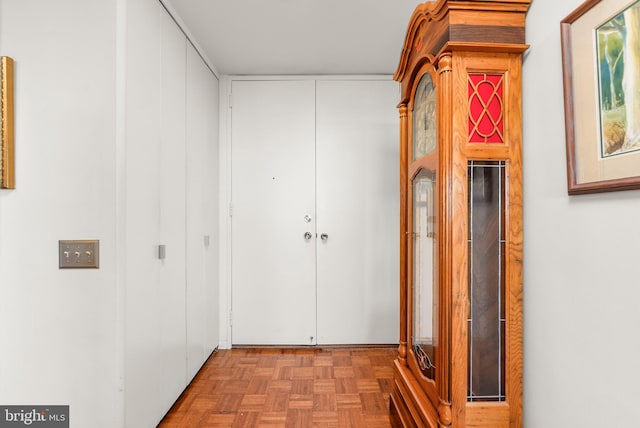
x=7 y=173
x=603 y=142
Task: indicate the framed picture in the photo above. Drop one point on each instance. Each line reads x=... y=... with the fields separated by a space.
x=6 y=128
x=601 y=68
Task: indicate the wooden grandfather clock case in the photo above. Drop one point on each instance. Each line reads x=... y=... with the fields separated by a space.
x=459 y=361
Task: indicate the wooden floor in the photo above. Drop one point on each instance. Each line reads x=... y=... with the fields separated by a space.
x=315 y=387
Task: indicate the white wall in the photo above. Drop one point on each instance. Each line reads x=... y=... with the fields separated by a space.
x=58 y=327
x=581 y=263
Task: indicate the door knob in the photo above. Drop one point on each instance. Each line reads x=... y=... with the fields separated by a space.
x=307 y=235
x=324 y=236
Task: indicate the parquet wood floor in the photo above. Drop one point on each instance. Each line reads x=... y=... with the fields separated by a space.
x=291 y=388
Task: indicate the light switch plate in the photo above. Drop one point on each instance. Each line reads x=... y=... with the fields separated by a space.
x=83 y=254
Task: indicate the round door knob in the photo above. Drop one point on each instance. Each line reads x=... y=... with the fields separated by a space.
x=307 y=235
x=324 y=236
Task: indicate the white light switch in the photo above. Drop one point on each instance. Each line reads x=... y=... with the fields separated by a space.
x=79 y=254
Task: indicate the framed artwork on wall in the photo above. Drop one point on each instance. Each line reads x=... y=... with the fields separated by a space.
x=6 y=128
x=601 y=70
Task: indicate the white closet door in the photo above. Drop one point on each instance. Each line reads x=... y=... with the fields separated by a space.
x=273 y=189
x=171 y=286
x=357 y=208
x=201 y=241
x=154 y=349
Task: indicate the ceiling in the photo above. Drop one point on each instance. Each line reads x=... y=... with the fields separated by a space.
x=280 y=37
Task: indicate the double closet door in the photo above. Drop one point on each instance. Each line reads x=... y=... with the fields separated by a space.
x=314 y=217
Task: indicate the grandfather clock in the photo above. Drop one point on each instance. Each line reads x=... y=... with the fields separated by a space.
x=459 y=361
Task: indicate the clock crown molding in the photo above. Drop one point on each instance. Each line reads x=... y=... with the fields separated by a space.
x=477 y=25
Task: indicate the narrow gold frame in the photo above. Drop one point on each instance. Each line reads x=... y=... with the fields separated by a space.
x=7 y=164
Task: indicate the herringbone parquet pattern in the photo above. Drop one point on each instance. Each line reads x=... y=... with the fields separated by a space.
x=297 y=388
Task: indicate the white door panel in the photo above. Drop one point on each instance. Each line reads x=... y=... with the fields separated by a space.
x=171 y=286
x=357 y=200
x=273 y=183
x=201 y=217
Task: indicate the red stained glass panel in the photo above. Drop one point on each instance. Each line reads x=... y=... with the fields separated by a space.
x=486 y=108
